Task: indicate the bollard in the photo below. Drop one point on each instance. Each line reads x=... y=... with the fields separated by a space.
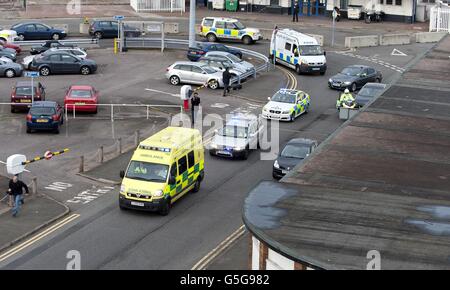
x=81 y=170
x=137 y=137
x=120 y=145
x=34 y=185
x=100 y=154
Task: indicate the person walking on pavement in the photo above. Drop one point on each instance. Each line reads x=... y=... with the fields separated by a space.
x=195 y=102
x=226 y=77
x=296 y=11
x=16 y=187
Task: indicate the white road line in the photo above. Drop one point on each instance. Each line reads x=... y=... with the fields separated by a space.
x=162 y=92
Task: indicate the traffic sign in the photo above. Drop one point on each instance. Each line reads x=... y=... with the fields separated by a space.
x=32 y=74
x=119 y=17
x=48 y=155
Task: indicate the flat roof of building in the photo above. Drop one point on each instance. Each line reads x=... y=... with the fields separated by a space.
x=380 y=182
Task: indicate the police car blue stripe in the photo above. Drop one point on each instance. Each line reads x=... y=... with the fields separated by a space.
x=227 y=32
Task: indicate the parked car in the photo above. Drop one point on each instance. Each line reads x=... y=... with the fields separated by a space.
x=201 y=48
x=219 y=28
x=220 y=64
x=354 y=77
x=10 y=69
x=369 y=92
x=23 y=94
x=110 y=29
x=8 y=52
x=8 y=35
x=5 y=59
x=59 y=62
x=194 y=73
x=81 y=99
x=293 y=153
x=76 y=51
x=6 y=44
x=37 y=49
x=36 y=31
x=45 y=115
x=237 y=62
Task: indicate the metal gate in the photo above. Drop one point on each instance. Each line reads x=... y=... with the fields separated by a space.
x=440 y=19
x=158 y=5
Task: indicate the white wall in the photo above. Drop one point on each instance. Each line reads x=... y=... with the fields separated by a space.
x=255 y=253
x=276 y=261
x=260 y=2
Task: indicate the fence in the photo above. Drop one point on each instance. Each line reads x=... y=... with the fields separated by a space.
x=158 y=5
x=440 y=19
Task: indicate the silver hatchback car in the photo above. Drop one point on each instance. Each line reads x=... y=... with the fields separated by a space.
x=194 y=73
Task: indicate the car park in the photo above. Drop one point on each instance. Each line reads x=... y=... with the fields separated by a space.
x=237 y=62
x=238 y=137
x=218 y=28
x=201 y=48
x=24 y=94
x=369 y=92
x=194 y=73
x=110 y=29
x=45 y=115
x=37 y=31
x=9 y=53
x=7 y=44
x=298 y=51
x=221 y=64
x=286 y=105
x=81 y=99
x=10 y=69
x=354 y=77
x=292 y=154
x=37 y=49
x=59 y=62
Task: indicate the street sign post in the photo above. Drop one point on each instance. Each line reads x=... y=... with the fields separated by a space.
x=32 y=75
x=334 y=26
x=119 y=19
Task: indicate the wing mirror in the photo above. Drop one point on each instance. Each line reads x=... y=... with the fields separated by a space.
x=122 y=173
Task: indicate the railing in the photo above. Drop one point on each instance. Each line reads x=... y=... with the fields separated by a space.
x=84 y=41
x=440 y=19
x=158 y=5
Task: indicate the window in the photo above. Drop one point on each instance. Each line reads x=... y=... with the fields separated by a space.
x=230 y=25
x=208 y=22
x=288 y=46
x=54 y=57
x=371 y=71
x=173 y=170
x=30 y=28
x=389 y=2
x=182 y=165
x=197 y=70
x=381 y=2
x=220 y=24
x=183 y=67
x=398 y=2
x=104 y=24
x=191 y=159
x=220 y=47
x=68 y=58
x=294 y=49
x=40 y=27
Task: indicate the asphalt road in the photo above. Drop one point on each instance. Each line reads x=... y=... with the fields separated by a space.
x=108 y=238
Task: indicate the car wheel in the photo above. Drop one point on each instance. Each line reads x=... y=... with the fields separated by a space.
x=245 y=155
x=353 y=87
x=21 y=37
x=307 y=109
x=174 y=80
x=247 y=40
x=98 y=35
x=10 y=73
x=122 y=207
x=57 y=130
x=213 y=84
x=211 y=37
x=322 y=73
x=44 y=71
x=197 y=186
x=13 y=110
x=211 y=153
x=165 y=208
x=55 y=36
x=28 y=131
x=85 y=70
x=297 y=69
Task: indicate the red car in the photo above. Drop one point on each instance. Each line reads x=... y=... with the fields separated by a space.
x=16 y=47
x=82 y=99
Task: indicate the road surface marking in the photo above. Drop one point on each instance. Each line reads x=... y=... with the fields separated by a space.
x=162 y=92
x=203 y=263
x=398 y=52
x=58 y=186
x=38 y=237
x=89 y=195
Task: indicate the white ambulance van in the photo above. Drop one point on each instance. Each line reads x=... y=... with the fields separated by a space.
x=298 y=51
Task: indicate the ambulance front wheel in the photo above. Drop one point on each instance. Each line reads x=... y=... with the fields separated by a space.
x=165 y=208
x=196 y=186
x=211 y=37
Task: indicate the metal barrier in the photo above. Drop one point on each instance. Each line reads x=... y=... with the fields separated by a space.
x=158 y=5
x=440 y=19
x=84 y=41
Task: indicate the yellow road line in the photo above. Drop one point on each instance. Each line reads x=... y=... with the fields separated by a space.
x=37 y=237
x=203 y=263
x=292 y=80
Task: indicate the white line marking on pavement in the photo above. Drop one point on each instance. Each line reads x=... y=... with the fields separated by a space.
x=162 y=92
x=398 y=52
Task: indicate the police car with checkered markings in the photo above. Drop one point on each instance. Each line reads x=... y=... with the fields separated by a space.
x=286 y=105
x=215 y=28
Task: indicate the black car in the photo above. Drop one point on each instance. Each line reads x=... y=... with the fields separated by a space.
x=35 y=30
x=60 y=62
x=110 y=29
x=369 y=92
x=201 y=48
x=293 y=153
x=47 y=45
x=354 y=77
x=45 y=115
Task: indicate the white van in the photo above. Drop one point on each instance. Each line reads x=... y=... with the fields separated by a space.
x=297 y=51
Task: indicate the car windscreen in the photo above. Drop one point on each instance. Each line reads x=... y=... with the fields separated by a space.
x=368 y=91
x=147 y=171
x=351 y=71
x=25 y=91
x=310 y=50
x=295 y=151
x=234 y=131
x=239 y=25
x=42 y=111
x=80 y=94
x=283 y=98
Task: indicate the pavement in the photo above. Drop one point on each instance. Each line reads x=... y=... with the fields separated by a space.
x=35 y=214
x=235 y=257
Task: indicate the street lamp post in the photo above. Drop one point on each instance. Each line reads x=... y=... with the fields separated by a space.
x=192 y=23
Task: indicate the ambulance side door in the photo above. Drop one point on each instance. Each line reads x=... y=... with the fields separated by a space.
x=174 y=174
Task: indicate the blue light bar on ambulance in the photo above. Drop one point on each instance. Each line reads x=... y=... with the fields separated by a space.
x=153 y=148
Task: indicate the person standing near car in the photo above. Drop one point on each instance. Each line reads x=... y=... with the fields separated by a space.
x=195 y=102
x=296 y=11
x=226 y=77
x=16 y=187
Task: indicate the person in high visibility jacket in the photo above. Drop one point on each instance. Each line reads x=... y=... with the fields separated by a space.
x=346 y=96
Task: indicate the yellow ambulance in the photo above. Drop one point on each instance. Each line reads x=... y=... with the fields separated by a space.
x=163 y=168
